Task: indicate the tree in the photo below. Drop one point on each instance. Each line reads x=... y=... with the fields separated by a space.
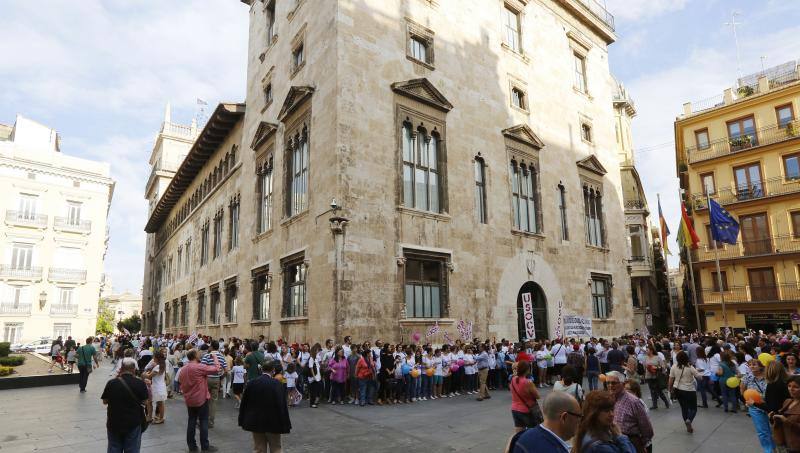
x=133 y=324
x=105 y=319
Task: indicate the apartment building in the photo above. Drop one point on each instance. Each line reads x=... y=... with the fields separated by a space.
x=401 y=165
x=53 y=236
x=742 y=148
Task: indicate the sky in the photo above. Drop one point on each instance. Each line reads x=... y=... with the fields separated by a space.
x=101 y=72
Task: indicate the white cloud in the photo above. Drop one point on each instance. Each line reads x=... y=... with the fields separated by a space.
x=75 y=65
x=635 y=10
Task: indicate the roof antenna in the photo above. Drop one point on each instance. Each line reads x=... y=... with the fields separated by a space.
x=733 y=25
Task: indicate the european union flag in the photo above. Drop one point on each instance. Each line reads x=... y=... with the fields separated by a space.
x=723 y=226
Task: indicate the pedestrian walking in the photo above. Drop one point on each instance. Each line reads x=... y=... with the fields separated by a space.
x=86 y=354
x=683 y=384
x=194 y=386
x=525 y=410
x=156 y=373
x=482 y=364
x=629 y=415
x=124 y=397
x=263 y=411
x=654 y=369
x=214 y=380
x=757 y=408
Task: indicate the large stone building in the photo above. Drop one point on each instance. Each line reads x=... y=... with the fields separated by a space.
x=641 y=259
x=401 y=164
x=54 y=235
x=742 y=148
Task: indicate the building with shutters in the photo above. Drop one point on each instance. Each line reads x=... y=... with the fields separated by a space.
x=53 y=235
x=401 y=165
x=742 y=148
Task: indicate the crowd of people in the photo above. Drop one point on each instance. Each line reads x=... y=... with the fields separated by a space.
x=753 y=373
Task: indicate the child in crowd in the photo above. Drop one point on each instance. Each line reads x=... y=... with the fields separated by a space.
x=291 y=383
x=438 y=374
x=237 y=385
x=70 y=359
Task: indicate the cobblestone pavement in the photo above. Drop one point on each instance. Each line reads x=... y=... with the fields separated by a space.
x=60 y=419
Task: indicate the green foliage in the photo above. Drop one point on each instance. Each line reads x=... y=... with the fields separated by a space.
x=14 y=360
x=133 y=324
x=5 y=348
x=6 y=370
x=105 y=319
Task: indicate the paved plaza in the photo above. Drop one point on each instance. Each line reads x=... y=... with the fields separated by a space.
x=60 y=419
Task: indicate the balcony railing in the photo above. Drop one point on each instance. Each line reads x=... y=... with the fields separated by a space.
x=638 y=259
x=774 y=245
x=65 y=223
x=785 y=292
x=730 y=145
x=15 y=309
x=767 y=188
x=26 y=219
x=635 y=204
x=66 y=275
x=599 y=11
x=17 y=272
x=65 y=309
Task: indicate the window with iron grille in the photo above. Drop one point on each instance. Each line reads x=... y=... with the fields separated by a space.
x=601 y=296
x=294 y=288
x=231 y=300
x=425 y=285
x=525 y=197
x=422 y=168
x=261 y=293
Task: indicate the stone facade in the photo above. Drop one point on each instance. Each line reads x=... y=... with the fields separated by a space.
x=354 y=245
x=53 y=235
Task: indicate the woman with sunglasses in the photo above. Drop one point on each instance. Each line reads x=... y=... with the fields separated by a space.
x=597 y=432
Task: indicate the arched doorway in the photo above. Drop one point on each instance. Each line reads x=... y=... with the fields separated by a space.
x=539 y=303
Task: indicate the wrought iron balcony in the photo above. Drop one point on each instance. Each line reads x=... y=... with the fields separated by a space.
x=61 y=274
x=771 y=187
x=64 y=309
x=775 y=245
x=638 y=259
x=20 y=272
x=26 y=219
x=635 y=204
x=67 y=224
x=784 y=292
x=599 y=11
x=15 y=309
x=731 y=145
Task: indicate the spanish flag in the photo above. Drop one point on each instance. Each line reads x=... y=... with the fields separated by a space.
x=686 y=234
x=664 y=229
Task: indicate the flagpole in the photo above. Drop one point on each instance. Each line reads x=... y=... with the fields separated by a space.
x=666 y=263
x=719 y=272
x=691 y=271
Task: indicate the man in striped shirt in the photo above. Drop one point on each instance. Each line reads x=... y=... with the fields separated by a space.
x=214 y=379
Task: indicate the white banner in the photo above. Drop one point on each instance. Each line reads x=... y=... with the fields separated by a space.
x=577 y=326
x=527 y=315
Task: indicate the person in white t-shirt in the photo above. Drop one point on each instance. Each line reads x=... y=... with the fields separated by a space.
x=438 y=374
x=470 y=372
x=291 y=384
x=237 y=386
x=541 y=364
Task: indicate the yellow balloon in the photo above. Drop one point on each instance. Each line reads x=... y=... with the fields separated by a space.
x=732 y=382
x=765 y=358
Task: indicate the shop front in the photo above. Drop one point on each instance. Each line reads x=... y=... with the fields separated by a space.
x=768 y=322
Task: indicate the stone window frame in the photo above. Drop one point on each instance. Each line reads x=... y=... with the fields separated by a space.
x=517 y=7
x=270 y=7
x=231 y=296
x=184 y=302
x=219 y=227
x=481 y=189
x=434 y=122
x=562 y=212
x=234 y=221
x=267 y=89
x=446 y=266
x=214 y=305
x=201 y=307
x=298 y=133
x=416 y=31
x=265 y=166
x=579 y=47
x=528 y=155
x=520 y=86
x=256 y=276
x=297 y=259
x=205 y=238
x=586 y=123
x=298 y=45
x=590 y=190
x=608 y=281
x=526 y=165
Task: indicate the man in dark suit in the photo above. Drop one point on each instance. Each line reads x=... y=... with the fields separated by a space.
x=264 y=411
x=562 y=414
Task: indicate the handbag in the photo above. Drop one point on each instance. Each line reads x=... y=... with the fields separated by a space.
x=534 y=412
x=673 y=392
x=144 y=423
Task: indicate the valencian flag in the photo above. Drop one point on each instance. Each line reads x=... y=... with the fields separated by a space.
x=686 y=234
x=723 y=226
x=664 y=229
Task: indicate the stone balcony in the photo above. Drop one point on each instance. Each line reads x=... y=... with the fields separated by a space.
x=12 y=272
x=11 y=309
x=64 y=309
x=60 y=274
x=73 y=225
x=19 y=218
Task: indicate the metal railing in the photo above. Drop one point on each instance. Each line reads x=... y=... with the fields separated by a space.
x=635 y=204
x=15 y=309
x=13 y=271
x=65 y=309
x=66 y=223
x=178 y=129
x=784 y=292
x=708 y=103
x=767 y=188
x=730 y=145
x=774 y=245
x=27 y=219
x=599 y=11
x=66 y=275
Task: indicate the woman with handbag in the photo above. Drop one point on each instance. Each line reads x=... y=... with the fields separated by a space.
x=683 y=387
x=654 y=366
x=524 y=409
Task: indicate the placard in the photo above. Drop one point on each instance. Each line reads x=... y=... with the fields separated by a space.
x=527 y=315
x=577 y=326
